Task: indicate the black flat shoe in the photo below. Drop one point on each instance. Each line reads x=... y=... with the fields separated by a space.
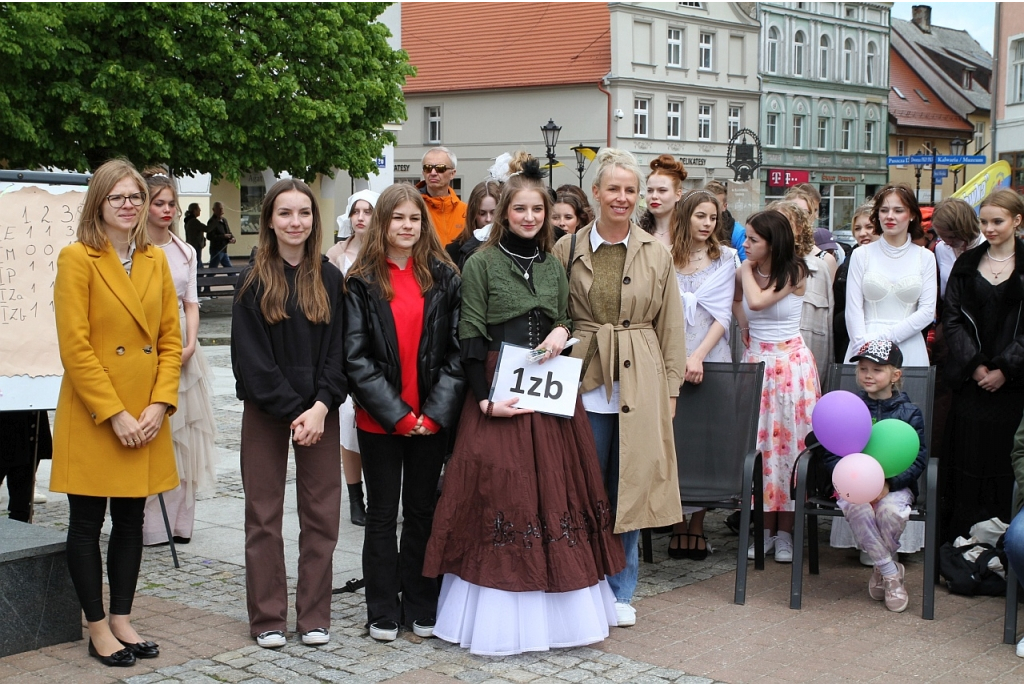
x=142 y=650
x=122 y=657
x=178 y=540
x=696 y=553
x=679 y=552
x=357 y=510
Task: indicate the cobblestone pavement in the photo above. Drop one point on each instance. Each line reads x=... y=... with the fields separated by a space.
x=688 y=629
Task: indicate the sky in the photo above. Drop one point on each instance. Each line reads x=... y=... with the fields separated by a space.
x=977 y=18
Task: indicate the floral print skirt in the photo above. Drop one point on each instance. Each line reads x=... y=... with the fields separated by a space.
x=790 y=391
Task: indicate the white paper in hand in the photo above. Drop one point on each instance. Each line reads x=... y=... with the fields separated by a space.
x=549 y=388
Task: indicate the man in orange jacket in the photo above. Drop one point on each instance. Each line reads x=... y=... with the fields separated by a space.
x=447 y=211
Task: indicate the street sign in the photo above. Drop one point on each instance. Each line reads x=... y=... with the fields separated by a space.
x=926 y=160
x=940 y=174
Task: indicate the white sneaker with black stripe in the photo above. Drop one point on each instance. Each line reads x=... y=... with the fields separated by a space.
x=317 y=636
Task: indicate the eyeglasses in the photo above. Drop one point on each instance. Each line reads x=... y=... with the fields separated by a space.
x=117 y=201
x=439 y=168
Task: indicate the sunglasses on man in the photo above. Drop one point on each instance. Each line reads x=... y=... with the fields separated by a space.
x=439 y=168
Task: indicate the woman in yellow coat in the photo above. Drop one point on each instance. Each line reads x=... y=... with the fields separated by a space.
x=120 y=343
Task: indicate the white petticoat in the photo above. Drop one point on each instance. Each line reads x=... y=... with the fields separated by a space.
x=493 y=622
x=911 y=541
x=347 y=416
x=192 y=427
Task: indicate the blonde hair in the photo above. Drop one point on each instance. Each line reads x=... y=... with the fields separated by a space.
x=1004 y=198
x=91 y=229
x=863 y=210
x=957 y=217
x=609 y=157
x=799 y=221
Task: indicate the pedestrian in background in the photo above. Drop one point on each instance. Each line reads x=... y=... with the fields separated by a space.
x=120 y=343
x=479 y=215
x=403 y=363
x=220 y=237
x=286 y=354
x=195 y=230
x=447 y=211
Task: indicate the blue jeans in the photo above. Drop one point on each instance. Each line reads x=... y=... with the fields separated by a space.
x=220 y=259
x=1014 y=545
x=606 y=435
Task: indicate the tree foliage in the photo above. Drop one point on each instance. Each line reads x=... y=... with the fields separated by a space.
x=223 y=88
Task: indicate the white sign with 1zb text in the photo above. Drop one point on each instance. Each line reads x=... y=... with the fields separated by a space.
x=549 y=388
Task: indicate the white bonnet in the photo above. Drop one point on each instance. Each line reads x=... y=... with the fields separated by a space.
x=344 y=225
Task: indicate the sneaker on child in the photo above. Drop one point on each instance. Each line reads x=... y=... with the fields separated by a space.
x=769 y=545
x=784 y=547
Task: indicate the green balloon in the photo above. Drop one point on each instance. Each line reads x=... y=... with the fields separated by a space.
x=894 y=444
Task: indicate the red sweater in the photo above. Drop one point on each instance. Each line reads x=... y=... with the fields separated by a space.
x=407 y=311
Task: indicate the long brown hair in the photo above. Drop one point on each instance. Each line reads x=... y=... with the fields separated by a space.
x=519 y=182
x=481 y=190
x=267 y=273
x=787 y=267
x=586 y=213
x=372 y=263
x=90 y=225
x=800 y=223
x=906 y=196
x=958 y=217
x=682 y=236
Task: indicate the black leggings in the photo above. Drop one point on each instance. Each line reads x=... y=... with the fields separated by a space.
x=124 y=552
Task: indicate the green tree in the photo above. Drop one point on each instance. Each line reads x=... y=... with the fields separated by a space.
x=221 y=88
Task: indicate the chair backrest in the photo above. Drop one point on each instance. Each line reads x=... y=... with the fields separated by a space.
x=715 y=428
x=918 y=383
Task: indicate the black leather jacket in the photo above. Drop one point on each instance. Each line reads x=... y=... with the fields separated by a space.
x=961 y=325
x=899 y=407
x=371 y=351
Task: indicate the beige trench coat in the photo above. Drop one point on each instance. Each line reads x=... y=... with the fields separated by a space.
x=652 y=362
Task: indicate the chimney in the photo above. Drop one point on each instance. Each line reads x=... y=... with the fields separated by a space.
x=923 y=17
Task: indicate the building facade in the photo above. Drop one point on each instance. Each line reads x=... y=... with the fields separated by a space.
x=824 y=107
x=1008 y=89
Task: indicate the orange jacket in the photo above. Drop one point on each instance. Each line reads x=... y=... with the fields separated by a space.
x=448 y=214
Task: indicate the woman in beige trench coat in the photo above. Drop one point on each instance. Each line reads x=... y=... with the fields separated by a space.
x=628 y=316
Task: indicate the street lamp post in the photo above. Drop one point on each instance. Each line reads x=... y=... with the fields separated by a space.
x=550 y=131
x=582 y=156
x=917 y=176
x=958 y=147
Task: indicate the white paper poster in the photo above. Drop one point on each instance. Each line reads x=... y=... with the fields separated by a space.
x=549 y=388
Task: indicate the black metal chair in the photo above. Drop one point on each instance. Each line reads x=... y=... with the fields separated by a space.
x=919 y=384
x=1010 y=617
x=719 y=467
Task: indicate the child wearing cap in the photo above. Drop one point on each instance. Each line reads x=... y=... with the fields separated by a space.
x=877 y=525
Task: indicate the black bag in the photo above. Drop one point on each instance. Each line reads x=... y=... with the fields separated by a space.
x=971 y=578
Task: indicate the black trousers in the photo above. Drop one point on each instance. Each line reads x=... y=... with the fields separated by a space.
x=399 y=468
x=124 y=552
x=20 y=481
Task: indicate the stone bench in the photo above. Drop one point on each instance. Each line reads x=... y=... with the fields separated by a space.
x=39 y=603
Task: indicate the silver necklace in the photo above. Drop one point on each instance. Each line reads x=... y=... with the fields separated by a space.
x=988 y=253
x=516 y=258
x=758 y=270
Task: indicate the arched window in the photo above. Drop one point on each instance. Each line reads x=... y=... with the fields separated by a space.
x=871 y=58
x=773 y=50
x=798 y=53
x=824 y=57
x=848 y=60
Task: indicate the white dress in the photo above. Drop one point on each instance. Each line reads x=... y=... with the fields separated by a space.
x=347 y=411
x=890 y=294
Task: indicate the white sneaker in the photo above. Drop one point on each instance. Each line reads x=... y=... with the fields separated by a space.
x=271 y=639
x=1020 y=648
x=625 y=615
x=865 y=559
x=317 y=636
x=385 y=631
x=424 y=627
x=769 y=545
x=784 y=547
x=39 y=498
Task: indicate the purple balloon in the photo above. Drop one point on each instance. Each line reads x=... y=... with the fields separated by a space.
x=858 y=478
x=842 y=422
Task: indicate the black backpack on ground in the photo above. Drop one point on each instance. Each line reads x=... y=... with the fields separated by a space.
x=964 y=577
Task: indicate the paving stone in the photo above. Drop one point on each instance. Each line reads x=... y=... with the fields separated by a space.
x=575 y=675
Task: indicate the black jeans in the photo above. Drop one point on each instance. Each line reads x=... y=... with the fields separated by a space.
x=387 y=571
x=20 y=481
x=124 y=552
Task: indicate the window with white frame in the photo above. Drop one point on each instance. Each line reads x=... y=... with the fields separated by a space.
x=847 y=135
x=1017 y=85
x=433 y=128
x=675 y=120
x=848 y=60
x=704 y=122
x=735 y=121
x=822 y=133
x=641 y=108
x=773 y=50
x=872 y=57
x=675 y=47
x=824 y=56
x=771 y=130
x=798 y=130
x=869 y=136
x=798 y=53
x=707 y=48
x=979 y=135
x=901 y=147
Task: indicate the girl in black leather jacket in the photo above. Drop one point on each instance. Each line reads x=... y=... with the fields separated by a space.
x=983 y=323
x=403 y=362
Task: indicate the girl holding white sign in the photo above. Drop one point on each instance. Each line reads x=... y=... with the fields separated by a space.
x=192 y=427
x=402 y=360
x=523 y=531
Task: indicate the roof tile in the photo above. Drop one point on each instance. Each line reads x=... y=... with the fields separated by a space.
x=915 y=110
x=483 y=45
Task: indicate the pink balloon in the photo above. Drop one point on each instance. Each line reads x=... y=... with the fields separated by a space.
x=858 y=478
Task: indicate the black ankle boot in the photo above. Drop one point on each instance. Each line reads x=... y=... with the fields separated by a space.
x=356 y=507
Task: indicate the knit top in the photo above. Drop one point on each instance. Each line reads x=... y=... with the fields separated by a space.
x=606 y=293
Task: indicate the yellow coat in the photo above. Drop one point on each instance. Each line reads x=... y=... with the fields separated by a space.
x=120 y=343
